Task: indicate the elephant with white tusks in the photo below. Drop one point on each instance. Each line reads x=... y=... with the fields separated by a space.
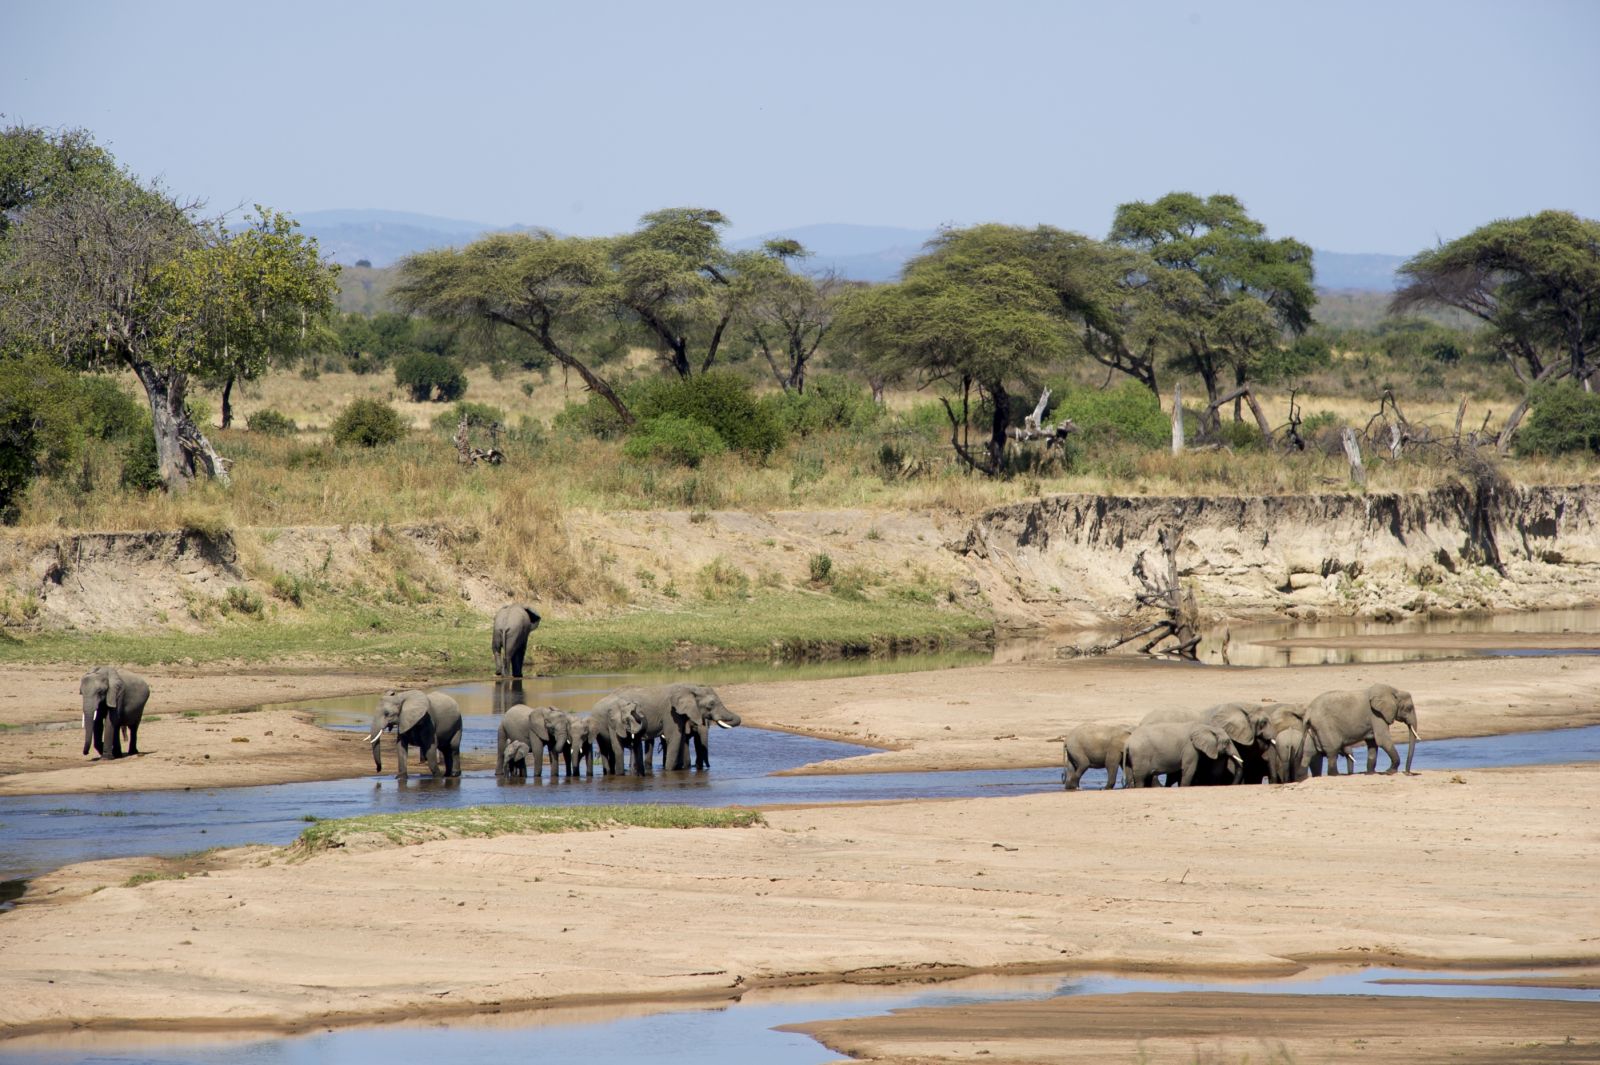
x=1340 y=719
x=1282 y=742
x=1185 y=750
x=542 y=729
x=618 y=731
x=1093 y=747
x=679 y=715
x=585 y=731
x=513 y=624
x=430 y=721
x=113 y=703
x=1243 y=724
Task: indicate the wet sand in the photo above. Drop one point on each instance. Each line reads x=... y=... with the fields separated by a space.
x=1490 y=868
x=1184 y=1029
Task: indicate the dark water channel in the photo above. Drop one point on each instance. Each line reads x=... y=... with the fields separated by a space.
x=725 y=1034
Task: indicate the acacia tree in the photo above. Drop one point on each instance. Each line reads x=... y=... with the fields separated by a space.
x=1534 y=280
x=1221 y=294
x=121 y=275
x=38 y=164
x=964 y=315
x=546 y=287
x=791 y=312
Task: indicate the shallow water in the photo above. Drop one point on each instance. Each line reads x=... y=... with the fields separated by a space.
x=734 y=1033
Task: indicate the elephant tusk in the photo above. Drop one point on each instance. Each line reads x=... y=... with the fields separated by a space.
x=723 y=724
x=375 y=738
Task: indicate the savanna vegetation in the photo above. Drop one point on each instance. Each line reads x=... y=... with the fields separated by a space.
x=660 y=370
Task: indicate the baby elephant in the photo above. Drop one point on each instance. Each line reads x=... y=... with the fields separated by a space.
x=1093 y=747
x=515 y=763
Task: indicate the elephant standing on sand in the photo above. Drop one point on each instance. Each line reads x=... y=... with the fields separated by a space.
x=113 y=703
x=513 y=624
x=1187 y=750
x=1093 y=747
x=1340 y=719
x=430 y=721
x=1243 y=724
x=541 y=729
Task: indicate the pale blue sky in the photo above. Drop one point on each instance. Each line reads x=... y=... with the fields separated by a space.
x=1353 y=126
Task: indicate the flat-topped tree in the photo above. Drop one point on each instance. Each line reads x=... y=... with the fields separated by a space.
x=116 y=274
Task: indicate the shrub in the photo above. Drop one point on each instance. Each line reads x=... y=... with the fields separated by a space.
x=141 y=465
x=368 y=423
x=106 y=412
x=269 y=422
x=1126 y=414
x=829 y=402
x=1241 y=436
x=478 y=415
x=821 y=566
x=242 y=600
x=1562 y=420
x=722 y=401
x=594 y=417
x=1306 y=355
x=428 y=376
x=669 y=438
x=529 y=431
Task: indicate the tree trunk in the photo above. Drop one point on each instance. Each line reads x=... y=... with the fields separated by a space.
x=227 y=403
x=179 y=443
x=1177 y=418
x=548 y=342
x=998 y=427
x=1208 y=374
x=1352 y=451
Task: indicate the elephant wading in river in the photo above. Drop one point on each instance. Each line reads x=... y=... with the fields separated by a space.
x=1093 y=747
x=618 y=728
x=585 y=731
x=1340 y=719
x=542 y=729
x=1242 y=722
x=677 y=715
x=430 y=721
x=1182 y=749
x=514 y=762
x=113 y=703
x=513 y=624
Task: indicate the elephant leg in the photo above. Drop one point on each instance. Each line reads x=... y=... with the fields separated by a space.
x=401 y=754
x=133 y=739
x=1382 y=738
x=1070 y=776
x=1190 y=765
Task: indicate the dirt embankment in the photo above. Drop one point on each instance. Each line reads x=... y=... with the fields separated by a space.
x=1057 y=562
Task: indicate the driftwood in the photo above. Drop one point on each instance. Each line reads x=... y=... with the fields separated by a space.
x=468 y=455
x=1033 y=428
x=1164 y=591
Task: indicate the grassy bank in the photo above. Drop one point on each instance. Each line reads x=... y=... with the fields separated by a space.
x=783 y=625
x=403 y=830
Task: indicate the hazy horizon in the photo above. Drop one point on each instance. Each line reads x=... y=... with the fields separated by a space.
x=1359 y=127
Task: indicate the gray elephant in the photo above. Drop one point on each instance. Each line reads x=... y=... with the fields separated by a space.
x=676 y=715
x=542 y=729
x=513 y=623
x=113 y=703
x=429 y=721
x=1241 y=721
x=514 y=761
x=585 y=731
x=619 y=728
x=1182 y=749
x=1093 y=747
x=1282 y=742
x=1341 y=719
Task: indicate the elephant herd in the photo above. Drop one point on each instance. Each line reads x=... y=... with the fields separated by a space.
x=624 y=728
x=1238 y=743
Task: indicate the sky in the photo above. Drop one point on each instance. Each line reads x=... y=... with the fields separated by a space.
x=1352 y=126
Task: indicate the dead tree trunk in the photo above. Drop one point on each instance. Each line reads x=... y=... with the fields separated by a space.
x=1352 y=451
x=1177 y=418
x=1164 y=591
x=1243 y=391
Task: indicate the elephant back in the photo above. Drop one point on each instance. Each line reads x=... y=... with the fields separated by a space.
x=1170 y=716
x=446 y=713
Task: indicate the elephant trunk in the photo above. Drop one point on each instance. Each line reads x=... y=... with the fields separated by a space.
x=377 y=748
x=1411 y=748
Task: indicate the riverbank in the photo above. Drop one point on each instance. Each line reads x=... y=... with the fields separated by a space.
x=997 y=716
x=1430 y=871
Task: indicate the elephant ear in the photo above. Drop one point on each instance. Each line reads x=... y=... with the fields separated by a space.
x=1208 y=741
x=412 y=711
x=114 y=689
x=1384 y=702
x=533 y=617
x=686 y=703
x=1237 y=725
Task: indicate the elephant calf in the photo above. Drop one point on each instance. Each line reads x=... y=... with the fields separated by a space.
x=514 y=762
x=1093 y=747
x=540 y=729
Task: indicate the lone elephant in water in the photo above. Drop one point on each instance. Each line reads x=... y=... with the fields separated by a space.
x=1093 y=747
x=430 y=721
x=113 y=703
x=513 y=624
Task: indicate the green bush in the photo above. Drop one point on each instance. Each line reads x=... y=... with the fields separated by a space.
x=368 y=423
x=242 y=600
x=141 y=464
x=926 y=419
x=269 y=422
x=594 y=417
x=821 y=567
x=669 y=438
x=722 y=401
x=427 y=376
x=829 y=402
x=478 y=415
x=1126 y=414
x=106 y=412
x=529 y=431
x=1241 y=436
x=1563 y=419
x=1306 y=355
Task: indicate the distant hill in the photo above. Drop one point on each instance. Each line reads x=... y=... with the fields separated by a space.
x=856 y=252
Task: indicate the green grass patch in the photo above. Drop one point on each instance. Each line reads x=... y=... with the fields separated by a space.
x=483 y=821
x=147 y=878
x=445 y=641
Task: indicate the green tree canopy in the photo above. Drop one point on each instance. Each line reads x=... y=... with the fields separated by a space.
x=1221 y=294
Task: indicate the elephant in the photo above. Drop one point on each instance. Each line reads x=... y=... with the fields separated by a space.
x=1093 y=747
x=513 y=623
x=1240 y=721
x=676 y=714
x=619 y=727
x=515 y=763
x=430 y=721
x=541 y=729
x=1282 y=742
x=1184 y=749
x=113 y=703
x=585 y=731
x=1340 y=719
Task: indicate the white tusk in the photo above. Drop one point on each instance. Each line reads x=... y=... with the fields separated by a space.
x=374 y=739
x=723 y=724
